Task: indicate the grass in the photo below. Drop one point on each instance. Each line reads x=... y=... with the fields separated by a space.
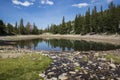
x=114 y=57
x=26 y=67
x=85 y=59
x=78 y=68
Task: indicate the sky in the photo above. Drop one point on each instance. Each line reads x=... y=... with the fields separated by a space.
x=47 y=12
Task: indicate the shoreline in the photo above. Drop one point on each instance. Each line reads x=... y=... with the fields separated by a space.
x=74 y=65
x=112 y=39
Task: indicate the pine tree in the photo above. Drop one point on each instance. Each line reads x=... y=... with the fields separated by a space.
x=113 y=18
x=63 y=26
x=101 y=23
x=2 y=28
x=87 y=21
x=76 y=25
x=22 y=29
x=28 y=28
x=35 y=29
x=16 y=28
x=94 y=20
x=10 y=29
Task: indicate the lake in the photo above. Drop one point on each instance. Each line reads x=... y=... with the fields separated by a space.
x=64 y=45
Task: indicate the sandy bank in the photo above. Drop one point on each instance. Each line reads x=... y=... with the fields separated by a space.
x=113 y=39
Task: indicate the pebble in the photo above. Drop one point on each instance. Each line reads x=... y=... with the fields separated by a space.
x=42 y=75
x=96 y=54
x=63 y=76
x=112 y=65
x=50 y=73
x=72 y=72
x=76 y=64
x=102 y=59
x=54 y=78
x=103 y=78
x=90 y=62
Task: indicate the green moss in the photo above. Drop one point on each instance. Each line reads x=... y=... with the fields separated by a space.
x=78 y=68
x=26 y=67
x=114 y=57
x=85 y=59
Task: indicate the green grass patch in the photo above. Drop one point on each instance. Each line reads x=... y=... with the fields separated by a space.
x=78 y=68
x=26 y=67
x=114 y=57
x=85 y=59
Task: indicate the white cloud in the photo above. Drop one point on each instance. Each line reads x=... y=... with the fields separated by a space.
x=47 y=2
x=109 y=1
x=80 y=5
x=26 y=3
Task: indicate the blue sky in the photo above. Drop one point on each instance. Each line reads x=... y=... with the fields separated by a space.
x=46 y=12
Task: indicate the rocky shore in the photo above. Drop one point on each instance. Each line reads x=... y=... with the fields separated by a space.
x=76 y=65
x=83 y=66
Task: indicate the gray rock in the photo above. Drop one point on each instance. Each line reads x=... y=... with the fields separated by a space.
x=96 y=54
x=54 y=78
x=42 y=75
x=76 y=64
x=76 y=70
x=85 y=72
x=51 y=73
x=103 y=78
x=118 y=78
x=53 y=68
x=63 y=76
x=112 y=65
x=53 y=57
x=102 y=59
x=72 y=72
x=77 y=53
x=64 y=64
x=90 y=62
x=86 y=68
x=99 y=67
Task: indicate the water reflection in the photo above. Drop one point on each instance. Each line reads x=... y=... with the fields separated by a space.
x=64 y=45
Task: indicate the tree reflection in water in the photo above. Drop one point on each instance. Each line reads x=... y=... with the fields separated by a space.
x=64 y=45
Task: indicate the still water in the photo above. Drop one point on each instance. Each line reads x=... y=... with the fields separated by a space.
x=64 y=45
